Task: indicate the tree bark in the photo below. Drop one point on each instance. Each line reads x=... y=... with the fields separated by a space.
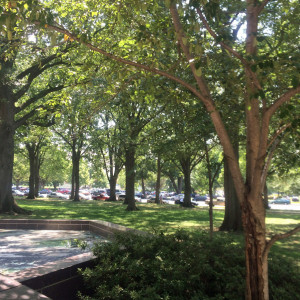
x=72 y=183
x=130 y=178
x=186 y=168
x=7 y=131
x=233 y=216
x=179 y=185
x=112 y=187
x=143 y=186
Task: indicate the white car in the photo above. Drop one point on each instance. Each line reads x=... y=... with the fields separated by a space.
x=84 y=196
x=178 y=197
x=17 y=193
x=58 y=195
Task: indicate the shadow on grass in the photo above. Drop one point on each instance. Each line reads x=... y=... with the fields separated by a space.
x=156 y=218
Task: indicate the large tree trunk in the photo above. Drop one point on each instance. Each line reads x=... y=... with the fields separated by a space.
x=233 y=216
x=130 y=178
x=112 y=187
x=158 y=177
x=7 y=131
x=256 y=261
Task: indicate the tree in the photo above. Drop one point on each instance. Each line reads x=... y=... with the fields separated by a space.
x=21 y=170
x=108 y=141
x=213 y=169
x=25 y=84
x=265 y=90
x=56 y=166
x=73 y=129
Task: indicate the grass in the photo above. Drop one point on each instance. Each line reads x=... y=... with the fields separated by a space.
x=156 y=218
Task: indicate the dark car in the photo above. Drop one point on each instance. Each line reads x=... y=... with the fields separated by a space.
x=281 y=201
x=200 y=198
x=45 y=191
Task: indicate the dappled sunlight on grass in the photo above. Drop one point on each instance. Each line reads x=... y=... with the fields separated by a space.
x=158 y=218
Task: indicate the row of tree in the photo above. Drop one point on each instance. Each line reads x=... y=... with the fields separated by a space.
x=136 y=53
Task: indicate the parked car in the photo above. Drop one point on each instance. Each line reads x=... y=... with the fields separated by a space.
x=281 y=201
x=58 y=195
x=121 y=197
x=64 y=191
x=85 y=196
x=17 y=193
x=177 y=197
x=295 y=199
x=45 y=191
x=101 y=196
x=200 y=198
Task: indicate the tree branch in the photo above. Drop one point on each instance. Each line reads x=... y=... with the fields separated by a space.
x=125 y=61
x=229 y=49
x=262 y=6
x=23 y=120
x=278 y=132
x=278 y=237
x=284 y=98
x=38 y=96
x=32 y=76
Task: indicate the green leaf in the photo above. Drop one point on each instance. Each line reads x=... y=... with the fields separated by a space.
x=199 y=72
x=184 y=40
x=168 y=3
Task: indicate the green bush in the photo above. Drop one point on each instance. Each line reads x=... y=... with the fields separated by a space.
x=179 y=266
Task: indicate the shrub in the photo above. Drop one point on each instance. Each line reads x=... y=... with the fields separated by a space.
x=178 y=266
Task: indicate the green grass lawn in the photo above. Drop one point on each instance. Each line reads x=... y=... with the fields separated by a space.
x=155 y=218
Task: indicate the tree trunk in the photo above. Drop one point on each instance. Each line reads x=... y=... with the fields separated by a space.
x=256 y=261
x=31 y=154
x=179 y=185
x=112 y=187
x=76 y=163
x=37 y=176
x=158 y=177
x=265 y=196
x=72 y=182
x=186 y=167
x=210 y=189
x=233 y=216
x=130 y=178
x=143 y=186
x=7 y=202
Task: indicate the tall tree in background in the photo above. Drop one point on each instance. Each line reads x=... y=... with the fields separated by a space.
x=73 y=128
x=108 y=141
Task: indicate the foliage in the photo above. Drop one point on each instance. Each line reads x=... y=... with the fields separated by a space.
x=21 y=169
x=179 y=266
